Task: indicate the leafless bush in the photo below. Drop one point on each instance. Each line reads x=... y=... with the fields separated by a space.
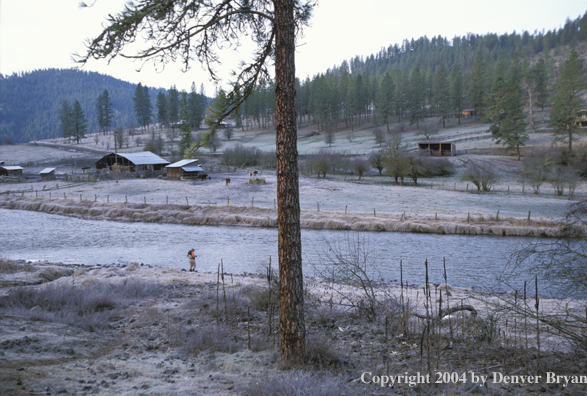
x=240 y=155
x=561 y=263
x=535 y=171
x=349 y=266
x=209 y=338
x=260 y=342
x=481 y=175
x=299 y=383
x=321 y=353
x=561 y=177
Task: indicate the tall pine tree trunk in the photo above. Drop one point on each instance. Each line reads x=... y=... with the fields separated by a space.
x=292 y=326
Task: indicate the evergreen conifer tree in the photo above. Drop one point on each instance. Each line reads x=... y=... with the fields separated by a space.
x=162 y=109
x=442 y=92
x=571 y=84
x=456 y=91
x=79 y=124
x=66 y=119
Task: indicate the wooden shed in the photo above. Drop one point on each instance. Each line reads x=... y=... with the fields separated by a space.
x=582 y=118
x=144 y=163
x=185 y=169
x=13 y=171
x=48 y=174
x=439 y=149
x=468 y=112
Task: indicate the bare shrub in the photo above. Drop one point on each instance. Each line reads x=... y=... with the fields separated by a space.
x=209 y=338
x=298 y=383
x=321 y=353
x=475 y=329
x=260 y=342
x=561 y=177
x=240 y=155
x=481 y=175
x=437 y=167
x=268 y=159
x=348 y=265
x=535 y=171
x=562 y=264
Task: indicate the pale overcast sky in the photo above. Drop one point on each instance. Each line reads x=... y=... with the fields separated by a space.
x=37 y=34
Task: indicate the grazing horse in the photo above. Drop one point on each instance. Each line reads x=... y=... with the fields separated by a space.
x=227 y=180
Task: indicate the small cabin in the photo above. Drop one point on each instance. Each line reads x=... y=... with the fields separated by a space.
x=185 y=169
x=582 y=118
x=468 y=112
x=48 y=174
x=438 y=149
x=13 y=171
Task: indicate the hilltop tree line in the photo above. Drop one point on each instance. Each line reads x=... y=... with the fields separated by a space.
x=424 y=77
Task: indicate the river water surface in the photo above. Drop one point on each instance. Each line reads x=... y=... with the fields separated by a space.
x=471 y=261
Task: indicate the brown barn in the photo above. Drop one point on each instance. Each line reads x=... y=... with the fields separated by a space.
x=47 y=174
x=185 y=169
x=439 y=149
x=14 y=171
x=144 y=163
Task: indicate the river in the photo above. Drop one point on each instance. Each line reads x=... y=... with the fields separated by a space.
x=471 y=261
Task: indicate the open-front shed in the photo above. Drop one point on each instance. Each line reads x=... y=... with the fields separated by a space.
x=47 y=174
x=185 y=169
x=438 y=148
x=144 y=163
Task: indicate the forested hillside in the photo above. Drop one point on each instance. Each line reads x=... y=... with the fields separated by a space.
x=425 y=77
x=30 y=102
x=406 y=82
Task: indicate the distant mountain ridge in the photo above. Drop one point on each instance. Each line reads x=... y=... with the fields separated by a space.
x=30 y=101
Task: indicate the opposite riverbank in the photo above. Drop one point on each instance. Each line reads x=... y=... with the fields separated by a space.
x=261 y=217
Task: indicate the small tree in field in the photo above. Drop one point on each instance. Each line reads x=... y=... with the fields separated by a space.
x=329 y=138
x=360 y=167
x=377 y=161
x=379 y=136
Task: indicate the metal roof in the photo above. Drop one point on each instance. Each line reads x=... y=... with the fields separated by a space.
x=143 y=158
x=182 y=163
x=7 y=167
x=47 y=170
x=195 y=168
